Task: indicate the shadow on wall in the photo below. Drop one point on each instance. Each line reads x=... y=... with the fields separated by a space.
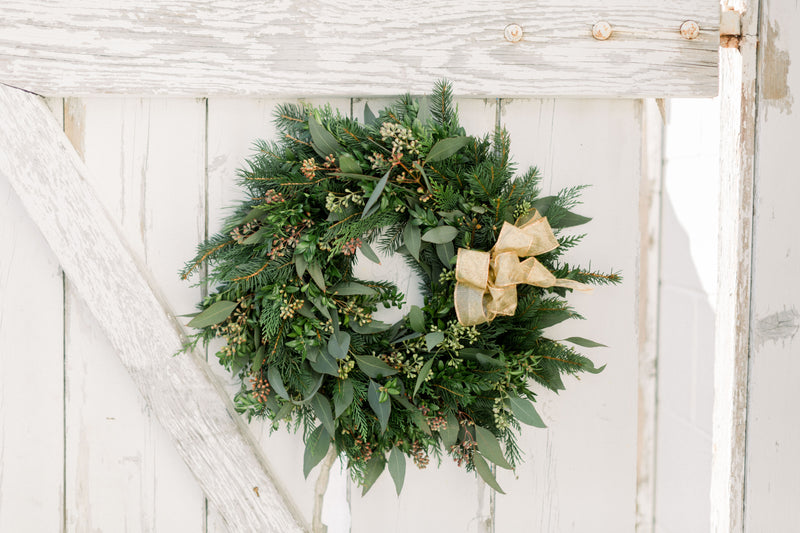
x=685 y=384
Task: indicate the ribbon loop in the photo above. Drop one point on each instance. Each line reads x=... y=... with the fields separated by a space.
x=486 y=282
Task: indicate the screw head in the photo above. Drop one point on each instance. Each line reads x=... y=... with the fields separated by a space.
x=602 y=30
x=690 y=30
x=513 y=33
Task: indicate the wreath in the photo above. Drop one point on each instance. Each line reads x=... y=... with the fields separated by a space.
x=454 y=377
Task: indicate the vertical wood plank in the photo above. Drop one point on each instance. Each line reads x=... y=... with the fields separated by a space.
x=31 y=371
x=772 y=468
x=233 y=126
x=443 y=498
x=147 y=157
x=580 y=473
x=738 y=111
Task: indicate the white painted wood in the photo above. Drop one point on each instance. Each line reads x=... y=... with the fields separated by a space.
x=146 y=159
x=649 y=273
x=772 y=468
x=439 y=498
x=356 y=47
x=51 y=181
x=737 y=154
x=31 y=373
x=580 y=473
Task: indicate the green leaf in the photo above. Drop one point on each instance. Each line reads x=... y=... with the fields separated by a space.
x=551 y=318
x=543 y=204
x=419 y=421
x=376 y=326
x=416 y=319
x=349 y=164
x=485 y=472
x=374 y=367
x=586 y=343
x=322 y=408
x=374 y=470
x=440 y=234
x=449 y=433
x=310 y=390
x=433 y=339
x=590 y=368
x=381 y=409
x=525 y=412
x=446 y=253
x=397 y=468
x=276 y=382
x=307 y=311
x=423 y=373
x=369 y=116
x=369 y=253
x=570 y=219
x=351 y=288
x=256 y=237
x=338 y=344
x=316 y=275
x=213 y=314
x=412 y=239
x=316 y=449
x=323 y=141
x=300 y=265
x=489 y=447
x=445 y=148
x=259 y=359
x=325 y=363
x=342 y=396
x=376 y=193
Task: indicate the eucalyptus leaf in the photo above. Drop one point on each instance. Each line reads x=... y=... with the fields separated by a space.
x=590 y=368
x=419 y=420
x=374 y=367
x=397 y=468
x=307 y=311
x=322 y=408
x=449 y=433
x=485 y=472
x=375 y=326
x=352 y=288
x=325 y=363
x=300 y=265
x=310 y=391
x=316 y=449
x=369 y=253
x=376 y=193
x=338 y=344
x=446 y=253
x=416 y=319
x=412 y=239
x=490 y=447
x=551 y=318
x=213 y=314
x=381 y=409
x=423 y=373
x=570 y=219
x=440 y=234
x=445 y=148
x=543 y=204
x=433 y=339
x=349 y=164
x=324 y=142
x=369 y=116
x=342 y=396
x=374 y=470
x=586 y=343
x=276 y=382
x=258 y=360
x=525 y=412
x=316 y=275
x=256 y=237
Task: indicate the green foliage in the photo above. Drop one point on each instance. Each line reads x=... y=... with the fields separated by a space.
x=298 y=324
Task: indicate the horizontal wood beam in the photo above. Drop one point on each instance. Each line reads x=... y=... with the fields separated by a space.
x=358 y=47
x=50 y=179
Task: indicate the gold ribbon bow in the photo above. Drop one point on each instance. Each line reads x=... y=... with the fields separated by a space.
x=487 y=281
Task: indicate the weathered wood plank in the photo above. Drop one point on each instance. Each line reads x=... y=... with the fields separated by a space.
x=356 y=47
x=772 y=467
x=732 y=339
x=31 y=373
x=50 y=179
x=579 y=473
x=146 y=161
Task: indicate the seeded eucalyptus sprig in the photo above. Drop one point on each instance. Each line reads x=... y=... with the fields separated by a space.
x=298 y=323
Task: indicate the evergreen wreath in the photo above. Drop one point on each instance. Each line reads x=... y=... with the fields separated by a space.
x=298 y=324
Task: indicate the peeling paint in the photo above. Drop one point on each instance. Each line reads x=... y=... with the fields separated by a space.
x=775 y=71
x=780 y=326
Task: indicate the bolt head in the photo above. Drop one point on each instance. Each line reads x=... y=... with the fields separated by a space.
x=690 y=30
x=513 y=33
x=602 y=30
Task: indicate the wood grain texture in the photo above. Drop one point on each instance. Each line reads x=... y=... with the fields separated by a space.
x=738 y=109
x=49 y=177
x=31 y=373
x=146 y=162
x=579 y=473
x=356 y=47
x=772 y=468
